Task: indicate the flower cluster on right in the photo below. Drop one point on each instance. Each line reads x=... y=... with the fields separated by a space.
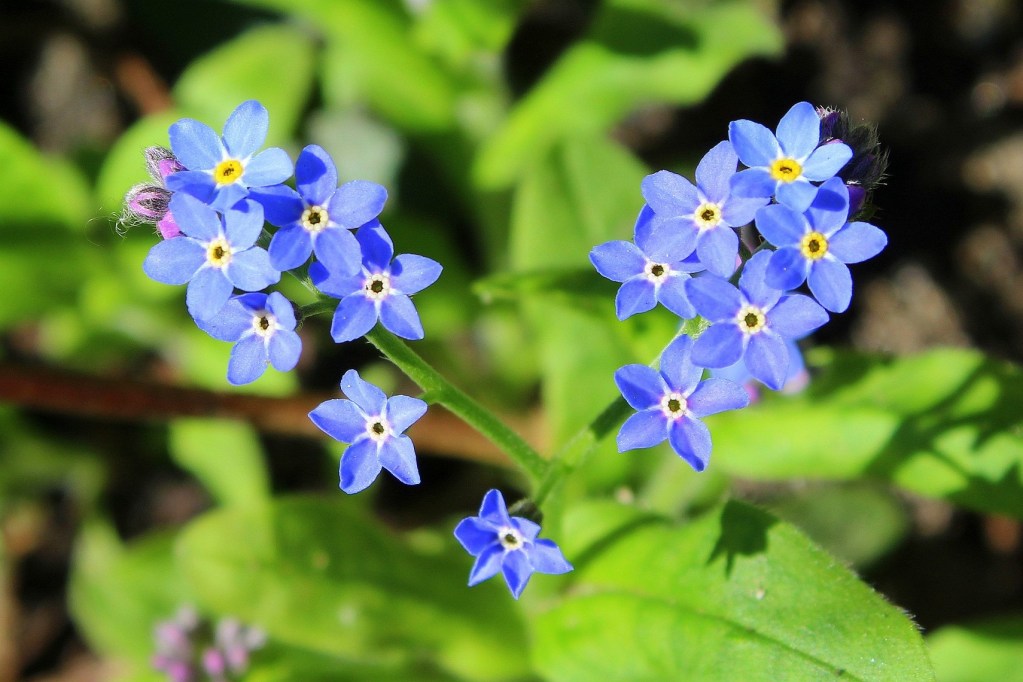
x=803 y=188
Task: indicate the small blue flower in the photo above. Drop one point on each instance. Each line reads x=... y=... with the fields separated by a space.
x=816 y=246
x=319 y=216
x=751 y=322
x=507 y=544
x=707 y=212
x=213 y=254
x=380 y=292
x=373 y=426
x=650 y=270
x=795 y=381
x=784 y=166
x=263 y=330
x=222 y=169
x=671 y=402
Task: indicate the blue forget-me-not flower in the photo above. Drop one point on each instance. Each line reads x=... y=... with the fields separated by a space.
x=222 y=169
x=373 y=425
x=213 y=254
x=507 y=544
x=670 y=403
x=380 y=291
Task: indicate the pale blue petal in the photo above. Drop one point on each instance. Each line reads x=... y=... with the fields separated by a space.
x=355 y=316
x=290 y=247
x=795 y=316
x=487 y=564
x=377 y=247
x=799 y=130
x=246 y=129
x=207 y=293
x=546 y=557
x=672 y=295
x=174 y=261
x=269 y=167
x=517 y=571
x=714 y=298
x=316 y=176
x=715 y=171
x=475 y=535
x=830 y=208
x=618 y=260
x=356 y=203
x=233 y=321
x=526 y=528
x=717 y=395
x=857 y=242
x=364 y=394
x=667 y=241
x=690 y=439
x=248 y=361
x=826 y=161
x=739 y=211
x=754 y=183
x=679 y=371
x=359 y=466
x=787 y=269
x=831 y=284
x=753 y=143
x=339 y=250
x=398 y=456
x=411 y=274
x=399 y=316
x=767 y=359
x=197 y=184
x=669 y=194
x=403 y=411
x=281 y=205
x=642 y=430
x=753 y=284
x=493 y=509
x=337 y=285
x=634 y=296
x=797 y=195
x=226 y=196
x=195 y=218
x=285 y=350
x=720 y=345
x=781 y=226
x=243 y=224
x=641 y=386
x=342 y=420
x=250 y=270
x=717 y=249
x=195 y=144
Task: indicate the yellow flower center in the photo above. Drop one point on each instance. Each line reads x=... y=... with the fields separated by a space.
x=315 y=219
x=228 y=171
x=814 y=246
x=218 y=253
x=751 y=320
x=786 y=170
x=707 y=215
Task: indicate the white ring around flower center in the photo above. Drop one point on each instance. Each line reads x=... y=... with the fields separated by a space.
x=315 y=219
x=707 y=215
x=377 y=286
x=218 y=253
x=264 y=323
x=751 y=319
x=657 y=272
x=510 y=538
x=377 y=428
x=674 y=405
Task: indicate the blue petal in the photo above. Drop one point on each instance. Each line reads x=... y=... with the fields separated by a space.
x=672 y=295
x=856 y=242
x=285 y=350
x=364 y=394
x=281 y=309
x=207 y=293
x=243 y=224
x=679 y=371
x=634 y=296
x=226 y=196
x=795 y=316
x=717 y=250
x=799 y=130
x=269 y=167
x=690 y=439
x=618 y=260
x=781 y=226
x=753 y=284
x=342 y=420
x=290 y=248
x=717 y=395
x=667 y=241
x=398 y=456
x=720 y=345
x=739 y=211
x=715 y=171
x=755 y=183
x=355 y=316
x=197 y=184
x=527 y=528
x=767 y=359
x=494 y=510
x=377 y=247
x=250 y=270
x=546 y=557
x=356 y=203
x=316 y=176
x=487 y=564
x=411 y=274
x=195 y=218
x=641 y=386
x=248 y=360
x=517 y=571
x=174 y=261
x=831 y=284
x=826 y=161
x=475 y=535
x=787 y=269
x=233 y=321
x=339 y=250
x=714 y=298
x=797 y=195
x=195 y=144
x=246 y=129
x=642 y=430
x=399 y=316
x=669 y=194
x=359 y=466
x=281 y=205
x=336 y=285
x=830 y=208
x=753 y=143
x=404 y=411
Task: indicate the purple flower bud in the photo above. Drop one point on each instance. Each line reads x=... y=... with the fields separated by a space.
x=214 y=664
x=161 y=162
x=147 y=203
x=866 y=169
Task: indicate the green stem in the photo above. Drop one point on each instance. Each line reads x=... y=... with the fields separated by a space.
x=439 y=390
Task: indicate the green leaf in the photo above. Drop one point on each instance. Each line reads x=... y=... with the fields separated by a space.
x=979 y=652
x=318 y=575
x=460 y=30
x=636 y=52
x=733 y=595
x=225 y=455
x=943 y=424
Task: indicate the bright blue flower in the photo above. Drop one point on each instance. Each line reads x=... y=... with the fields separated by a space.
x=263 y=330
x=816 y=246
x=650 y=270
x=373 y=426
x=795 y=380
x=213 y=254
x=784 y=166
x=705 y=214
x=751 y=322
x=319 y=216
x=671 y=402
x=222 y=169
x=380 y=292
x=507 y=544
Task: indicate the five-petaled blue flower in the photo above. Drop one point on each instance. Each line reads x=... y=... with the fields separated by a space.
x=373 y=426
x=704 y=214
x=380 y=292
x=815 y=246
x=213 y=254
x=263 y=330
x=751 y=322
x=222 y=169
x=319 y=216
x=651 y=270
x=507 y=544
x=671 y=402
x=784 y=166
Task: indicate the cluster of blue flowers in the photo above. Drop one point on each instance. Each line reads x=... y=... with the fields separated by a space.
x=802 y=188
